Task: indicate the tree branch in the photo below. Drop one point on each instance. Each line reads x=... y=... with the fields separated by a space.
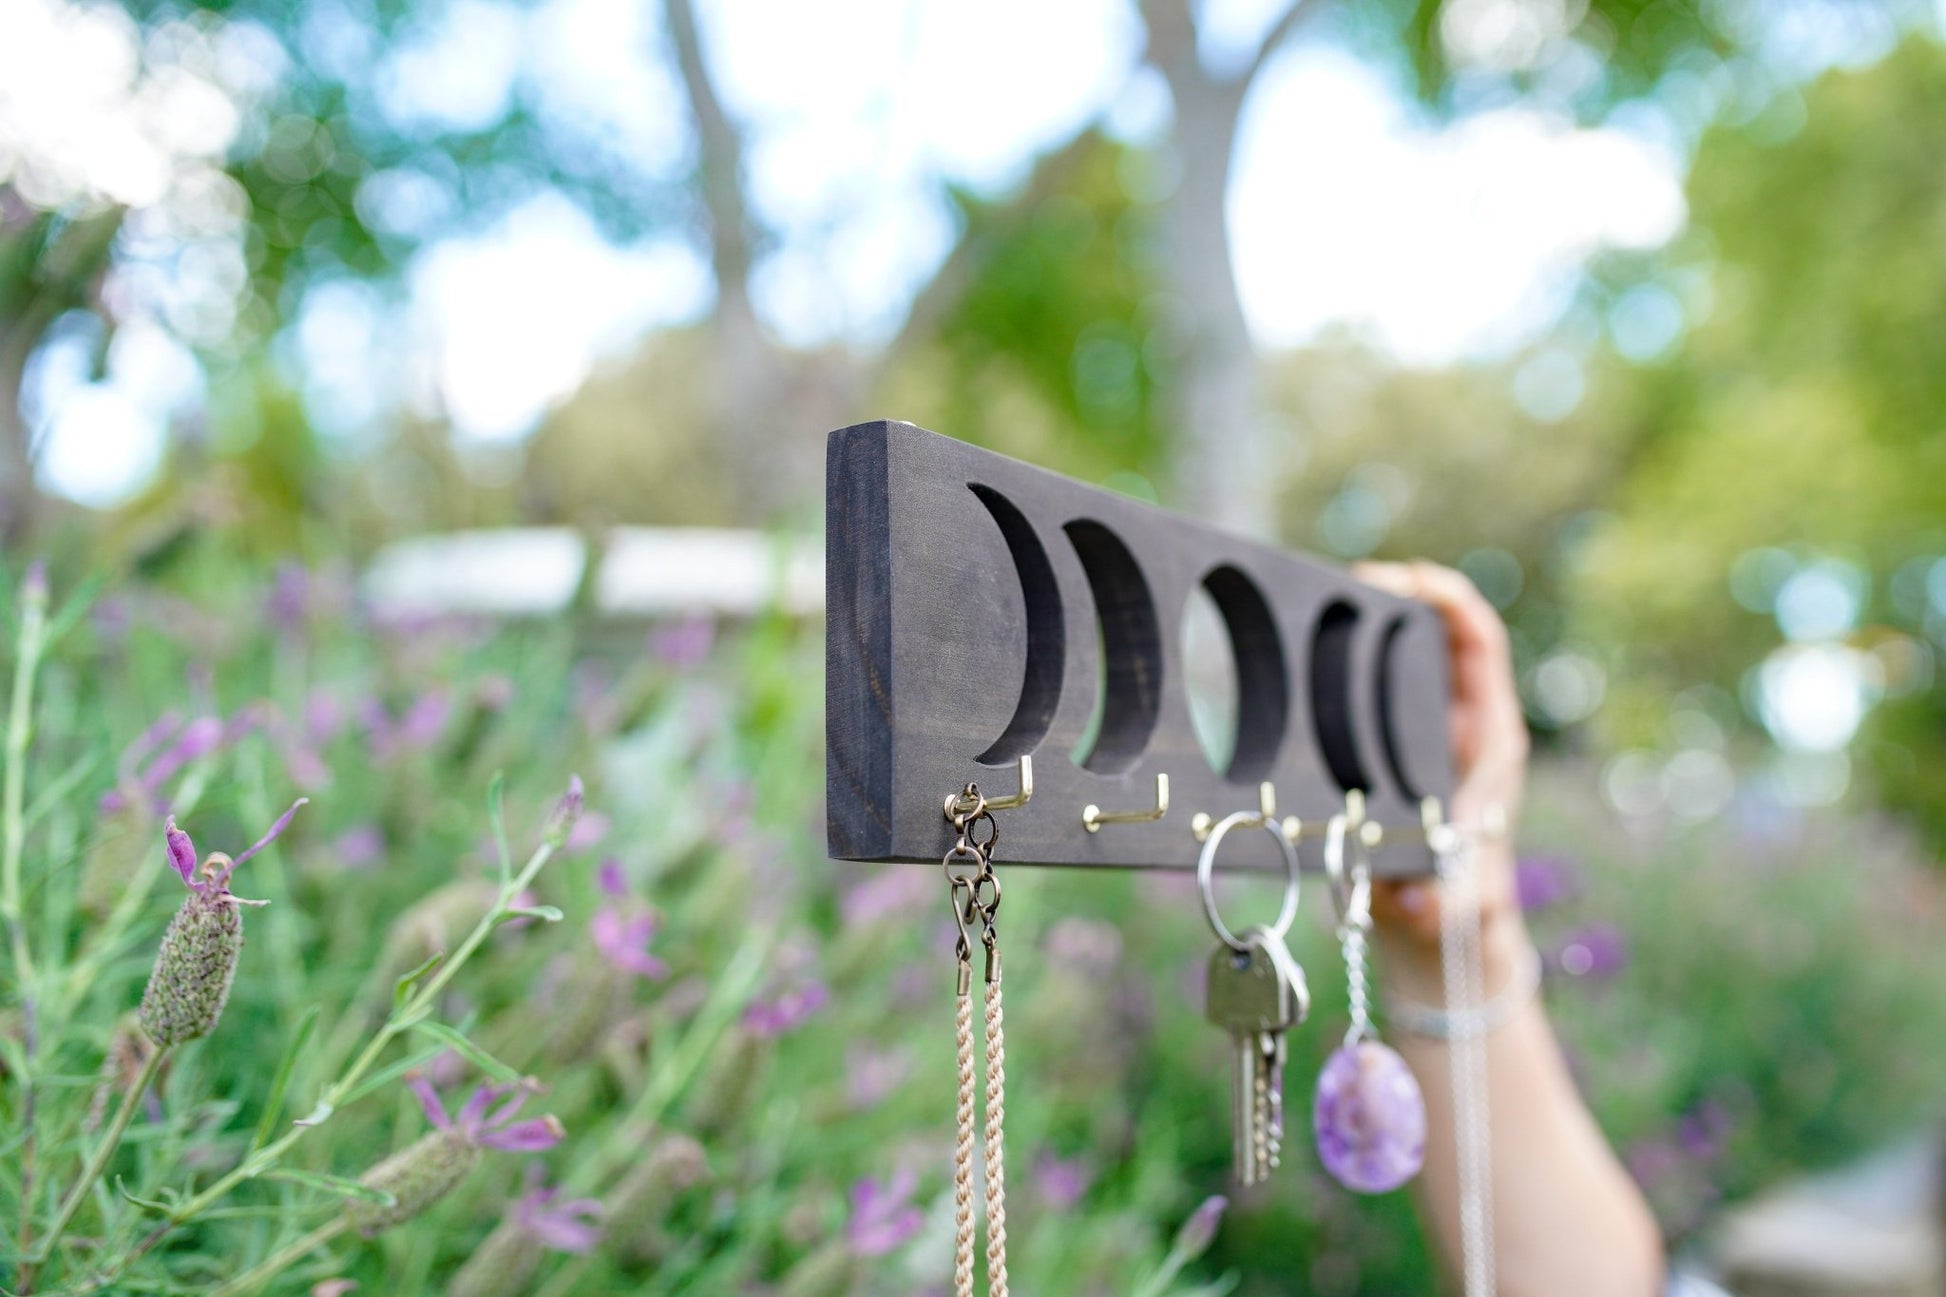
x=719 y=145
x=1280 y=31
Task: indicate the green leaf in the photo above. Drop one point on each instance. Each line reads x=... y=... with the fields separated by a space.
x=336 y=1185
x=56 y=791
x=281 y=1083
x=545 y=913
x=161 y=1206
x=73 y=610
x=317 y=1116
x=386 y=1075
x=498 y=820
x=460 y=1045
x=402 y=989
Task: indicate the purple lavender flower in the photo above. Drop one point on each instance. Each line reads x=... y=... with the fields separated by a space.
x=786 y=1012
x=360 y=846
x=425 y=1171
x=288 y=603
x=1061 y=1181
x=882 y=1216
x=588 y=831
x=425 y=720
x=494 y=693
x=572 y=1226
x=1704 y=1130
x=1653 y=1162
x=1199 y=1231
x=1544 y=881
x=482 y=1125
x=143 y=769
x=887 y=894
x=33 y=588
x=566 y=813
x=871 y=1075
x=196 y=964
x=623 y=938
x=683 y=645
x=1597 y=950
x=324 y=717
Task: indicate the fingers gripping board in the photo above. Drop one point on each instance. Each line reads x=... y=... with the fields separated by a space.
x=980 y=610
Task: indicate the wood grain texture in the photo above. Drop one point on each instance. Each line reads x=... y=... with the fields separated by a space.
x=970 y=601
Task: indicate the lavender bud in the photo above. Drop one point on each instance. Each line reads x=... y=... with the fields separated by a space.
x=104 y=871
x=637 y=1207
x=502 y=1266
x=732 y=1083
x=566 y=812
x=33 y=588
x=434 y=925
x=1199 y=1231
x=128 y=1053
x=417 y=1177
x=827 y=1272
x=193 y=971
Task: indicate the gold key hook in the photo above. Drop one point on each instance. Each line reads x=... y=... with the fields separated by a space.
x=1093 y=817
x=1290 y=826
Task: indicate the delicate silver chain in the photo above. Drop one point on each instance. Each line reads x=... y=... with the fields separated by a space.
x=1461 y=964
x=1353 y=937
x=1351 y=888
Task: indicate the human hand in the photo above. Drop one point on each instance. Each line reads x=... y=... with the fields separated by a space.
x=1490 y=766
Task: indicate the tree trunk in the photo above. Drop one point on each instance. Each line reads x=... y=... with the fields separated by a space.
x=764 y=456
x=1226 y=465
x=1222 y=467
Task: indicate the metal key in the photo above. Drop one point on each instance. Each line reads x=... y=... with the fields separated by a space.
x=1256 y=994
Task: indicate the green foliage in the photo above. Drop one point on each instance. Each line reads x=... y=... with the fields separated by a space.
x=722 y=1148
x=1802 y=410
x=1053 y=293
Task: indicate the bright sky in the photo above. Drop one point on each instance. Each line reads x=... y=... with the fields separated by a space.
x=1434 y=243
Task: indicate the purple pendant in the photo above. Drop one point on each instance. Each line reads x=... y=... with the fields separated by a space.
x=1370 y=1118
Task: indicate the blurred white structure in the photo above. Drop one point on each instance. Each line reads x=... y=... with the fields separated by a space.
x=640 y=572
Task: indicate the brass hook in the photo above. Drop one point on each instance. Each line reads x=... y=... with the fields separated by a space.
x=971 y=803
x=1093 y=817
x=1026 y=793
x=1291 y=827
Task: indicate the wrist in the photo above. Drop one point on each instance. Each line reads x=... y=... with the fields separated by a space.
x=1412 y=969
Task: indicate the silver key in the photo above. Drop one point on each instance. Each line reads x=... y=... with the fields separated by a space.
x=1257 y=994
x=1271 y=1061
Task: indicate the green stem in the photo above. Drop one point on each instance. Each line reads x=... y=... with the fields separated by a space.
x=401 y=1021
x=111 y=1139
x=282 y=1259
x=1158 y=1283
x=13 y=836
x=734 y=987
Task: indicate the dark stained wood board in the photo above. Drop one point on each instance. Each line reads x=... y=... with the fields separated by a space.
x=974 y=603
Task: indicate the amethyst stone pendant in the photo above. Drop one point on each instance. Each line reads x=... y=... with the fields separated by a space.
x=1369 y=1118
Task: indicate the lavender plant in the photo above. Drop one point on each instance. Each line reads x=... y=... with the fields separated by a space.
x=734 y=1055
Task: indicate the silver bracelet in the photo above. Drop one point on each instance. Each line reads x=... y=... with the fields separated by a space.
x=1467 y=1024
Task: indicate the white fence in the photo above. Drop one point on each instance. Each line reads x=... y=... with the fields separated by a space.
x=640 y=572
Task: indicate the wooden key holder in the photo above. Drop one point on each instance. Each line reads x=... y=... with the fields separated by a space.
x=986 y=618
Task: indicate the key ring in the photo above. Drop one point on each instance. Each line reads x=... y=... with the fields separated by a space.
x=1206 y=870
x=1352 y=896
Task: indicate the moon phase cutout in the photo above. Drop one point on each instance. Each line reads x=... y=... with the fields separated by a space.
x=1331 y=707
x=1131 y=649
x=1040 y=596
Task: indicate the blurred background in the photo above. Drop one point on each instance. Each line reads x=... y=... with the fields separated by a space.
x=461 y=370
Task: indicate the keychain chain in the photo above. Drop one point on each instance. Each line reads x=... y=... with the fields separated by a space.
x=1461 y=965
x=976 y=900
